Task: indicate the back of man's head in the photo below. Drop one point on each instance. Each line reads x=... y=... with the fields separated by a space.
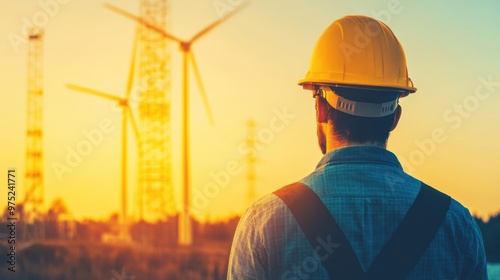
x=355 y=129
x=358 y=70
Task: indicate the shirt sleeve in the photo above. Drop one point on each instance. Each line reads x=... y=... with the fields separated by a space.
x=476 y=266
x=248 y=257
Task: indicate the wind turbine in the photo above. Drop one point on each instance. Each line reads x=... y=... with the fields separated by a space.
x=124 y=103
x=185 y=234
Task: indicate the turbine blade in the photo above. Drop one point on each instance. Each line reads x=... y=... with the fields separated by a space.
x=94 y=92
x=202 y=89
x=143 y=22
x=219 y=21
x=131 y=73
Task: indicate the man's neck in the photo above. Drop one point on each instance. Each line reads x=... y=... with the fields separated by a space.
x=332 y=143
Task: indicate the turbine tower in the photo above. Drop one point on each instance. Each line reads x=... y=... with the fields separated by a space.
x=124 y=103
x=34 y=196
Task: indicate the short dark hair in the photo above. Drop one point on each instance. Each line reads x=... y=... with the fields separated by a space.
x=362 y=129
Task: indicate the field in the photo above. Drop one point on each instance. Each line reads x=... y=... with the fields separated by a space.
x=70 y=260
x=74 y=261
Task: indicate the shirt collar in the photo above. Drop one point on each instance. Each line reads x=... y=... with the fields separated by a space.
x=359 y=154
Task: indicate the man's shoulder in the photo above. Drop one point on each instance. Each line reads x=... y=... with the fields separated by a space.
x=267 y=204
x=459 y=215
x=267 y=211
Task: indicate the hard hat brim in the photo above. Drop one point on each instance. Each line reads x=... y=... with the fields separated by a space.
x=308 y=84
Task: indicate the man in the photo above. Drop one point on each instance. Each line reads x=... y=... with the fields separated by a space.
x=358 y=215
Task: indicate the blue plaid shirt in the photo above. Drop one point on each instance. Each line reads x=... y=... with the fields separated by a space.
x=368 y=194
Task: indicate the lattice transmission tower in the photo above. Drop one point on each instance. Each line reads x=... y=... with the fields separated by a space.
x=34 y=190
x=156 y=195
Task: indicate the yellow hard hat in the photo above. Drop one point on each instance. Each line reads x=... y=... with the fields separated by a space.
x=359 y=52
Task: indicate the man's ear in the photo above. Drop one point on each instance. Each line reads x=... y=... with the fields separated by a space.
x=397 y=116
x=322 y=110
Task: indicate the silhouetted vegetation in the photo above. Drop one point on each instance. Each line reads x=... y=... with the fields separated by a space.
x=95 y=249
x=491 y=237
x=104 y=261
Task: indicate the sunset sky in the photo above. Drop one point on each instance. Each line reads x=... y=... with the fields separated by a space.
x=250 y=66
